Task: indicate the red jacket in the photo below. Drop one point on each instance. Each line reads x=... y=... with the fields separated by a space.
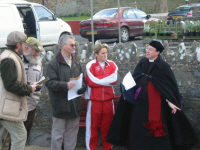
x=100 y=80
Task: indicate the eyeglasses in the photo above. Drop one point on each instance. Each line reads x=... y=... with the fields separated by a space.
x=72 y=45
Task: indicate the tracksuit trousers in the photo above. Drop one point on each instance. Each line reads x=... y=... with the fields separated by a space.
x=99 y=115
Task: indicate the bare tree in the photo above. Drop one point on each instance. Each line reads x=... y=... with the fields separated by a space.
x=162 y=6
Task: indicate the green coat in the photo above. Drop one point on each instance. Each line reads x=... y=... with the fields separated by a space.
x=9 y=77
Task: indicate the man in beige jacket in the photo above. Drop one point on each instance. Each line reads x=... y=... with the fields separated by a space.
x=13 y=91
x=34 y=72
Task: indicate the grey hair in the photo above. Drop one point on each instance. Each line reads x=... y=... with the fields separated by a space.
x=64 y=39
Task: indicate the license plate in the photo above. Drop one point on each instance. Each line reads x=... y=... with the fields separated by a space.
x=90 y=32
x=176 y=17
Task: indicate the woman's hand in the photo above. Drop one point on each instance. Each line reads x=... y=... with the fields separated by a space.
x=173 y=107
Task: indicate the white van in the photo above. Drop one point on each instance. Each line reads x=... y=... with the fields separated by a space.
x=33 y=19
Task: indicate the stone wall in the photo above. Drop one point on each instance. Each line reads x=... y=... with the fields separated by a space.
x=184 y=58
x=71 y=7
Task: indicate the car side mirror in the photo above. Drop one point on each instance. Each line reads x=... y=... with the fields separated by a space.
x=148 y=16
x=55 y=16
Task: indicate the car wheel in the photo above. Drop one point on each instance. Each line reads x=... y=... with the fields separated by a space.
x=90 y=39
x=124 y=34
x=55 y=48
x=64 y=34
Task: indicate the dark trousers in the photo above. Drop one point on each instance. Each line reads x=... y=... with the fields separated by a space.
x=29 y=122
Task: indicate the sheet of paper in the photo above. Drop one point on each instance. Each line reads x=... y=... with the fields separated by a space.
x=43 y=78
x=128 y=81
x=72 y=93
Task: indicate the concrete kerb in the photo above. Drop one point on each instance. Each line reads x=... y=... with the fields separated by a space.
x=33 y=147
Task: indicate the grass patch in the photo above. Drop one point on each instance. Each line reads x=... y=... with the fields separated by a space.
x=75 y=18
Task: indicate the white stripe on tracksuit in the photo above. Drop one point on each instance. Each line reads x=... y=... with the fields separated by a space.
x=88 y=125
x=104 y=81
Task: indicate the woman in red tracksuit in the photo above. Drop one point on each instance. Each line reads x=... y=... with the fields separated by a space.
x=101 y=75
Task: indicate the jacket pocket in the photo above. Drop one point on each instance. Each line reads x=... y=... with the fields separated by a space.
x=61 y=104
x=62 y=107
x=11 y=108
x=78 y=104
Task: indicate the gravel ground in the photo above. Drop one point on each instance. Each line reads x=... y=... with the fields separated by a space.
x=32 y=147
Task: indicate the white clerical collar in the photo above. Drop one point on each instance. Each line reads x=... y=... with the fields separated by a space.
x=151 y=60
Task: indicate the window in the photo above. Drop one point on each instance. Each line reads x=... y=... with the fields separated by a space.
x=106 y=14
x=128 y=13
x=183 y=9
x=140 y=14
x=43 y=14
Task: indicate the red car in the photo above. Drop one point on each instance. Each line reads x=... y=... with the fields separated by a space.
x=105 y=24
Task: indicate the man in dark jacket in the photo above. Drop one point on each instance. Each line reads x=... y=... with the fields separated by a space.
x=155 y=120
x=66 y=113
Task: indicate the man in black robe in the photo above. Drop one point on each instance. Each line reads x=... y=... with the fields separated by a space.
x=153 y=120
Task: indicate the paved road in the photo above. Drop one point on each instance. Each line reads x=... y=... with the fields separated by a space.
x=110 y=42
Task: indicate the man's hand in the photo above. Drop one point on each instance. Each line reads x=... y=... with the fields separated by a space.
x=34 y=87
x=173 y=107
x=70 y=85
x=38 y=88
x=32 y=83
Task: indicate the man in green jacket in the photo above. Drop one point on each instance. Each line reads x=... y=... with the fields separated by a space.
x=13 y=91
x=65 y=112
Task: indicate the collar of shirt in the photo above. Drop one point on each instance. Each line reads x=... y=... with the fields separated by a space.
x=151 y=60
x=67 y=58
x=102 y=64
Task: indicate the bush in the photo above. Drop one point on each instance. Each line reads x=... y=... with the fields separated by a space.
x=88 y=14
x=83 y=14
x=75 y=15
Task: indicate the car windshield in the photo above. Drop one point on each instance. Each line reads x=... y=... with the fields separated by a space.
x=106 y=14
x=140 y=14
x=182 y=9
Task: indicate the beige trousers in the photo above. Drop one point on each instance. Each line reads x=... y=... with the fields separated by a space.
x=17 y=132
x=64 y=131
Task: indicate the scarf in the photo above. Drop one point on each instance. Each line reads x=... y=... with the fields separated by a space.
x=155 y=116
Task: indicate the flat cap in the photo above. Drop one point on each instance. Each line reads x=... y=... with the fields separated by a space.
x=16 y=37
x=157 y=45
x=34 y=43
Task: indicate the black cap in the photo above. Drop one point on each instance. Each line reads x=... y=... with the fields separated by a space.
x=157 y=45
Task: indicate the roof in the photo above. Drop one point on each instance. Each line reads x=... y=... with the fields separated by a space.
x=120 y=8
x=17 y=2
x=190 y=5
